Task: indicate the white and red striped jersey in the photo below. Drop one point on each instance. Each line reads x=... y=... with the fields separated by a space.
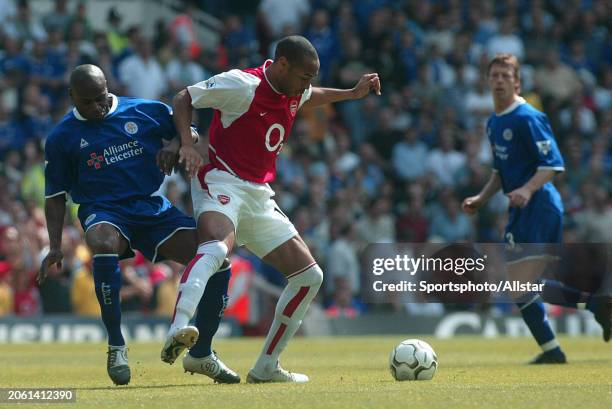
x=251 y=122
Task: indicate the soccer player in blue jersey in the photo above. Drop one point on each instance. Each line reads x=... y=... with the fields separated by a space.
x=107 y=154
x=526 y=158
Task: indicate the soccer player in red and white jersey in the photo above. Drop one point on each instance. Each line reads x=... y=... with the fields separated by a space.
x=254 y=112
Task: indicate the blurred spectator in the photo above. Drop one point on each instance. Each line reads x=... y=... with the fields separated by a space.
x=342 y=259
x=117 y=40
x=448 y=223
x=59 y=18
x=141 y=74
x=344 y=304
x=556 y=80
x=408 y=156
x=6 y=290
x=83 y=292
x=505 y=41
x=182 y=71
x=23 y=26
x=167 y=289
x=595 y=222
x=277 y=14
x=183 y=32
x=445 y=161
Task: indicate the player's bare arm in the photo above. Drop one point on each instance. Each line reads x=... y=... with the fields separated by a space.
x=471 y=204
x=520 y=197
x=188 y=155
x=55 y=209
x=321 y=96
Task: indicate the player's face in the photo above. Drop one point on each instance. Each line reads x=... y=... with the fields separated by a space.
x=91 y=102
x=299 y=77
x=504 y=85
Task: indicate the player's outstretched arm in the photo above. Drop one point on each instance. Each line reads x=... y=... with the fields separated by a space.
x=471 y=204
x=321 y=96
x=188 y=155
x=55 y=209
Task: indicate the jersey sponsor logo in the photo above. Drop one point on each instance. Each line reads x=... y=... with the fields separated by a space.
x=544 y=147
x=272 y=144
x=90 y=219
x=293 y=107
x=223 y=199
x=500 y=151
x=84 y=143
x=115 y=154
x=130 y=127
x=507 y=134
x=95 y=160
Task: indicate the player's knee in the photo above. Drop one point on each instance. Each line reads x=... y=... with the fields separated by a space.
x=217 y=250
x=312 y=277
x=103 y=239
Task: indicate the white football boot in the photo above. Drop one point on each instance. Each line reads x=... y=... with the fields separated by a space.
x=176 y=343
x=117 y=365
x=277 y=375
x=210 y=366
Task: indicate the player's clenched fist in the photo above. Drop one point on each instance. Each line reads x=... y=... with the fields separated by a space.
x=367 y=83
x=192 y=160
x=471 y=204
x=519 y=197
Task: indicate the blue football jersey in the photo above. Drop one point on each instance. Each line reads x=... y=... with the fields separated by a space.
x=523 y=142
x=109 y=160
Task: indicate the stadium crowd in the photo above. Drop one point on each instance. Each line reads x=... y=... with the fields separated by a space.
x=380 y=170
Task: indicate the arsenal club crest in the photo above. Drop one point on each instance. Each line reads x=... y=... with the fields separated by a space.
x=293 y=107
x=223 y=199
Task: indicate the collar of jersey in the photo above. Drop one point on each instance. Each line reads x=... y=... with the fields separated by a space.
x=518 y=101
x=265 y=65
x=112 y=109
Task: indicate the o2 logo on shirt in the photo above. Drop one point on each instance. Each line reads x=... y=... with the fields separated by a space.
x=130 y=127
x=507 y=134
x=278 y=145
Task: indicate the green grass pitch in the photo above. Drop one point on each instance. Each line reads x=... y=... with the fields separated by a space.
x=346 y=372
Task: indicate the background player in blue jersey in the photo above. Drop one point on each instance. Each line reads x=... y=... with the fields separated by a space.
x=526 y=158
x=107 y=155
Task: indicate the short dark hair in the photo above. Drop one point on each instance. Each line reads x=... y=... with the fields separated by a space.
x=506 y=60
x=295 y=49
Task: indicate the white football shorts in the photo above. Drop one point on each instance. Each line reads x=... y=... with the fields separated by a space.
x=259 y=223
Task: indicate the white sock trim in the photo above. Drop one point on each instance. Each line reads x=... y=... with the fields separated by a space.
x=528 y=303
x=550 y=345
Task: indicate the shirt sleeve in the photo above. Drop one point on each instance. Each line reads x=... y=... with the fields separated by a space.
x=163 y=116
x=541 y=142
x=305 y=96
x=495 y=164
x=58 y=174
x=230 y=92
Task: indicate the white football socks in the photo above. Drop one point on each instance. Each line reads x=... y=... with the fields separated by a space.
x=207 y=261
x=292 y=305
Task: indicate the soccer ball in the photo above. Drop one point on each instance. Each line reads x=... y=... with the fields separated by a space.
x=413 y=360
